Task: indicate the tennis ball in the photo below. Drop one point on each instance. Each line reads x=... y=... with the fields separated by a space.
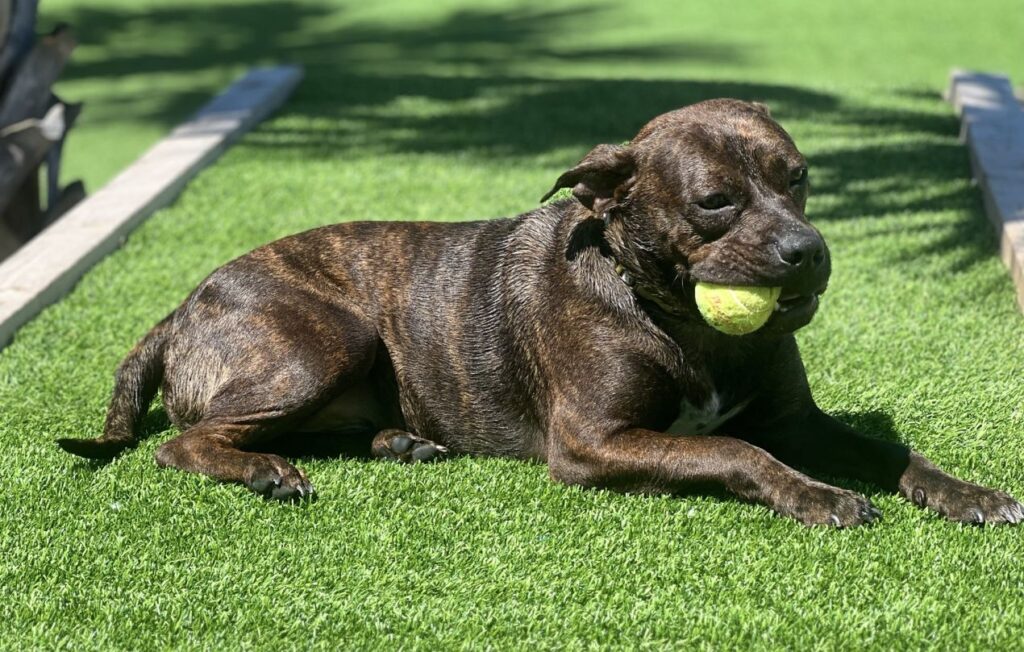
x=736 y=309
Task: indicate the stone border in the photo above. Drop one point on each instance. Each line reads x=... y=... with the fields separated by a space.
x=49 y=265
x=992 y=126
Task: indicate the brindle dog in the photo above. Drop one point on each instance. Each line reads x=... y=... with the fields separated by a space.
x=568 y=334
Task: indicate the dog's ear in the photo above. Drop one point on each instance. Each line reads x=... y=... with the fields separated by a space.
x=602 y=179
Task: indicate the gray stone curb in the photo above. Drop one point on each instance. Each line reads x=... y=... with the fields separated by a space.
x=992 y=126
x=50 y=264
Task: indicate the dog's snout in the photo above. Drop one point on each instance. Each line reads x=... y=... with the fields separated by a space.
x=803 y=249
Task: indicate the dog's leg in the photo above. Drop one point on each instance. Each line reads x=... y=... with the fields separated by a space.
x=213 y=449
x=644 y=460
x=275 y=373
x=823 y=444
x=406 y=447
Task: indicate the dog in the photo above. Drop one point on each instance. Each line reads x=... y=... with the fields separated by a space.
x=567 y=335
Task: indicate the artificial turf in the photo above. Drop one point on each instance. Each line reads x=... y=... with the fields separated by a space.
x=452 y=110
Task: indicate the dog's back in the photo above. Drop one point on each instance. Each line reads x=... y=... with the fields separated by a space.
x=456 y=307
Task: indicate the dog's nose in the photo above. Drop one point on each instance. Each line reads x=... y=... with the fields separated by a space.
x=803 y=249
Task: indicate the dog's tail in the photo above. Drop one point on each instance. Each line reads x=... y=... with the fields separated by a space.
x=135 y=384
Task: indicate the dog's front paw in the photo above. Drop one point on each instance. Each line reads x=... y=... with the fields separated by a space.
x=816 y=503
x=963 y=502
x=272 y=477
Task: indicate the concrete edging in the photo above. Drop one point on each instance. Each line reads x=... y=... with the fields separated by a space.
x=49 y=265
x=992 y=126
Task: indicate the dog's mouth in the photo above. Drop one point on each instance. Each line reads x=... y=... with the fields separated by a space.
x=793 y=311
x=796 y=302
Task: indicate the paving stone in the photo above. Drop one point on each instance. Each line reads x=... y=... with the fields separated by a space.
x=992 y=126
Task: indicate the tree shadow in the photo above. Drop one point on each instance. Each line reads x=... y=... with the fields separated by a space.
x=176 y=39
x=456 y=84
x=513 y=116
x=486 y=40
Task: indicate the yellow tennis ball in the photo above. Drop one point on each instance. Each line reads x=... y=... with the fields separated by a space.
x=736 y=309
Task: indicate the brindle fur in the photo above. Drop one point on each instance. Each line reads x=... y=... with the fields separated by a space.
x=567 y=335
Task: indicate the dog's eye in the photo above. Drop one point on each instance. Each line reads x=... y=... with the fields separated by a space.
x=714 y=202
x=798 y=177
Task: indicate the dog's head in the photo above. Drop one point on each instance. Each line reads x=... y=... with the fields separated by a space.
x=712 y=192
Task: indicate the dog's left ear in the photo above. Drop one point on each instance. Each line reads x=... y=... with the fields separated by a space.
x=602 y=179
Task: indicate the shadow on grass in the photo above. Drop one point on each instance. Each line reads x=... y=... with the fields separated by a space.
x=174 y=39
x=874 y=424
x=190 y=38
x=454 y=84
x=155 y=422
x=354 y=443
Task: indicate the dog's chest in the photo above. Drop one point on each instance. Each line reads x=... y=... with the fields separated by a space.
x=705 y=419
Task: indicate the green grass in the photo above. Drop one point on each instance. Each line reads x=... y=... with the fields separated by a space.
x=450 y=110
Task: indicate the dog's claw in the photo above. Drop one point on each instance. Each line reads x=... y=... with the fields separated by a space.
x=869 y=514
x=834 y=520
x=277 y=479
x=1018 y=512
x=425 y=452
x=919 y=497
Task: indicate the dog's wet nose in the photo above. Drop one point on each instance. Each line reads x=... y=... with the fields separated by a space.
x=804 y=249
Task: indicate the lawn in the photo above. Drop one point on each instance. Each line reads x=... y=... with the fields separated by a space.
x=456 y=110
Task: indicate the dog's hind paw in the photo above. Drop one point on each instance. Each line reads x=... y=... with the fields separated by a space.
x=406 y=447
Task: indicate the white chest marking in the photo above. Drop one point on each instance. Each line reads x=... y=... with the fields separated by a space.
x=693 y=420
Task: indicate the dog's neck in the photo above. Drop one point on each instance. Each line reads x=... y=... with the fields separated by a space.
x=629 y=267
x=639 y=290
